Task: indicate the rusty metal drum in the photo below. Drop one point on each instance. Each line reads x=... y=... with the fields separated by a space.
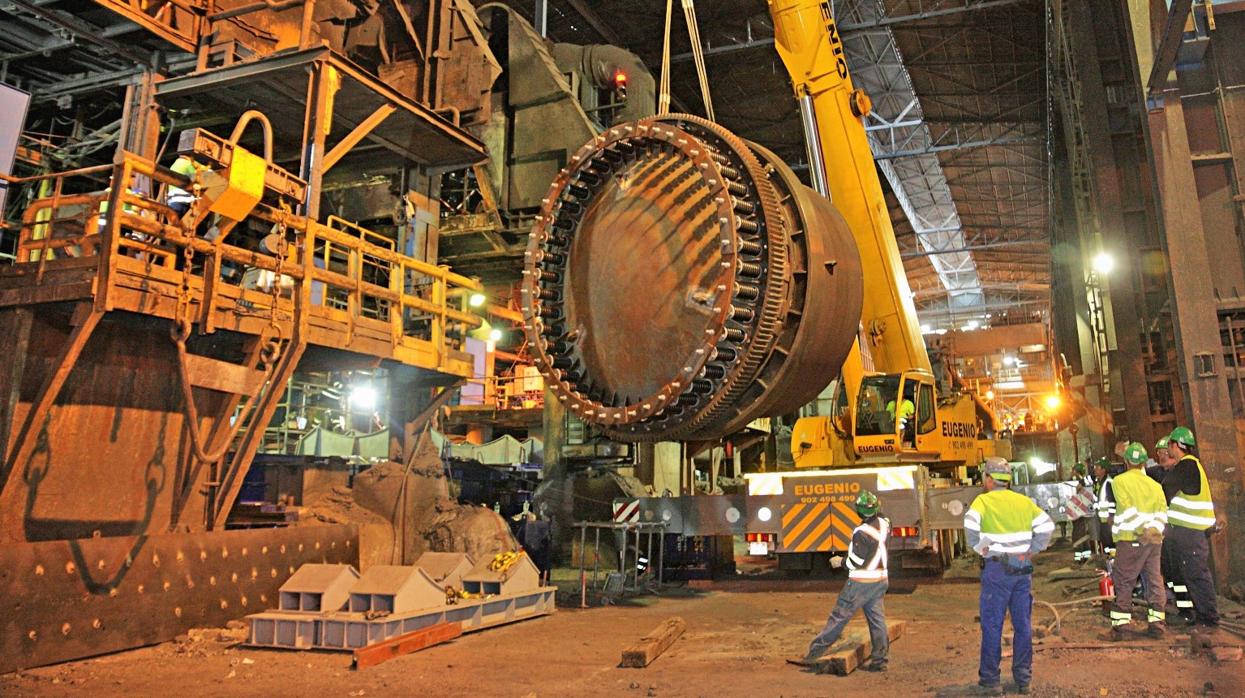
x=681 y=282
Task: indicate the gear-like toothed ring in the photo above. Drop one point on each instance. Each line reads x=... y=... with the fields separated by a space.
x=660 y=290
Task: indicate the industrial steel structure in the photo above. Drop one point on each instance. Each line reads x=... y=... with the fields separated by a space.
x=204 y=201
x=151 y=343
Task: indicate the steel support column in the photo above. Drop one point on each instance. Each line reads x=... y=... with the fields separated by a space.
x=1196 y=316
x=1129 y=387
x=318 y=119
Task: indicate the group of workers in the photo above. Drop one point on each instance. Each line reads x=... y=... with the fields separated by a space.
x=1153 y=520
x=1158 y=519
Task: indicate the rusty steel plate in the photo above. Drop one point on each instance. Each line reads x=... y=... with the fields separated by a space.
x=70 y=599
x=665 y=305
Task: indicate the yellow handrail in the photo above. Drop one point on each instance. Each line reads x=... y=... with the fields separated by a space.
x=375 y=278
x=346 y=226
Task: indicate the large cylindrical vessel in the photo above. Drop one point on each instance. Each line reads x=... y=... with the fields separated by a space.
x=681 y=282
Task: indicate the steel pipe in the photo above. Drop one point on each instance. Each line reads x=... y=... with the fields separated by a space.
x=681 y=282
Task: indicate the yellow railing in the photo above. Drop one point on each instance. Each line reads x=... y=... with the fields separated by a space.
x=345 y=226
x=348 y=273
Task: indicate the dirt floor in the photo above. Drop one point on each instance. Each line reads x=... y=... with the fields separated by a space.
x=738 y=633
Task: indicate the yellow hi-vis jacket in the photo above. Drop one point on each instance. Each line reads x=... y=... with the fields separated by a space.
x=1195 y=511
x=1002 y=522
x=1139 y=505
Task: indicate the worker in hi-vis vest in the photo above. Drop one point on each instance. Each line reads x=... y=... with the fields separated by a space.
x=1137 y=527
x=866 y=585
x=1191 y=516
x=1007 y=529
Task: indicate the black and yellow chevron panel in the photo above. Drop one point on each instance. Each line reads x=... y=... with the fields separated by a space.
x=817 y=527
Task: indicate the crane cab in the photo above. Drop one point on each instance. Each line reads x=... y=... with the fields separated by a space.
x=896 y=414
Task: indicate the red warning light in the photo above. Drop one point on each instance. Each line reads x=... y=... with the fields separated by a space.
x=620 y=78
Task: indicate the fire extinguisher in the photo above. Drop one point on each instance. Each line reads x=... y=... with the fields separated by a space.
x=1106 y=587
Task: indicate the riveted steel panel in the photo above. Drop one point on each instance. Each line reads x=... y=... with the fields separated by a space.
x=69 y=599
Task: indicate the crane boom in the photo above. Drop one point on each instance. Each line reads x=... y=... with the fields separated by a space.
x=808 y=41
x=887 y=392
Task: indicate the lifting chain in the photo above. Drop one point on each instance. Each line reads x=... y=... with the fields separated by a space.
x=271 y=351
x=181 y=317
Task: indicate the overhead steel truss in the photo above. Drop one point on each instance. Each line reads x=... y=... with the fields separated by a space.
x=924 y=10
x=906 y=149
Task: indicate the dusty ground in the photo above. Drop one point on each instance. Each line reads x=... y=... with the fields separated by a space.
x=738 y=634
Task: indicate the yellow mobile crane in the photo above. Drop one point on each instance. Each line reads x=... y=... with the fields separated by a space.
x=887 y=407
x=891 y=429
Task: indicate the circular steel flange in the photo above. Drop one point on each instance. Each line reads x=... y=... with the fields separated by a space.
x=666 y=276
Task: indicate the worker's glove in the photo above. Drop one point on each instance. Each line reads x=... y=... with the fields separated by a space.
x=836 y=562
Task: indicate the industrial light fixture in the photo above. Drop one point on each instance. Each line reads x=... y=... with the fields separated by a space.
x=363 y=397
x=620 y=84
x=1053 y=402
x=494 y=335
x=476 y=300
x=989 y=394
x=1103 y=263
x=764 y=514
x=1040 y=467
x=1009 y=360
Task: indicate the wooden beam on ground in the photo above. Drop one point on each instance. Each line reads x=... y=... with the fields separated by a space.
x=652 y=645
x=1070 y=573
x=405 y=644
x=850 y=652
x=1122 y=645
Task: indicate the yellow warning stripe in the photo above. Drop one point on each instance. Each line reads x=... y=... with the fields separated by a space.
x=811 y=514
x=843 y=515
x=807 y=542
x=897 y=479
x=842 y=525
x=789 y=515
x=800 y=534
x=764 y=483
x=795 y=520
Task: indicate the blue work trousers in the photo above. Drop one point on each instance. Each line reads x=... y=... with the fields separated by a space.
x=854 y=597
x=1002 y=593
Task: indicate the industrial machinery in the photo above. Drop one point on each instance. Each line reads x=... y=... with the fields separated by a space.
x=732 y=290
x=889 y=410
x=888 y=407
x=668 y=298
x=162 y=295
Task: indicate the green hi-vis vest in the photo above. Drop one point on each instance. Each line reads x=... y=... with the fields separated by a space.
x=1139 y=505
x=1195 y=511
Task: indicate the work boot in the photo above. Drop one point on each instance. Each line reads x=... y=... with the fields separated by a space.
x=989 y=689
x=1115 y=634
x=1022 y=689
x=874 y=665
x=1157 y=629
